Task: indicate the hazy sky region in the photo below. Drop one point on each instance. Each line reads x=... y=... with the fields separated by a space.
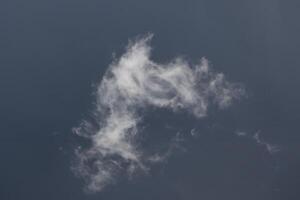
x=139 y=99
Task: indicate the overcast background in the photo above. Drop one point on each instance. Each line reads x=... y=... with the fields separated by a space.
x=53 y=52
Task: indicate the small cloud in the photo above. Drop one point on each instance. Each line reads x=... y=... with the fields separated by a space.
x=194 y=132
x=241 y=133
x=271 y=148
x=135 y=83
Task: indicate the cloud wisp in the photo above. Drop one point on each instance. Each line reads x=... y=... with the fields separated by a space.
x=270 y=148
x=132 y=84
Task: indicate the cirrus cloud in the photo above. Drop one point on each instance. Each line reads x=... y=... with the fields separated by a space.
x=132 y=84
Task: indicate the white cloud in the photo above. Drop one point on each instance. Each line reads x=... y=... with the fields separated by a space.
x=132 y=84
x=241 y=133
x=270 y=148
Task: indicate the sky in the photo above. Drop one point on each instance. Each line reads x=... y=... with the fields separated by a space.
x=137 y=99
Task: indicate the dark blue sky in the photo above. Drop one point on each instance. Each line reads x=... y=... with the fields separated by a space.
x=53 y=52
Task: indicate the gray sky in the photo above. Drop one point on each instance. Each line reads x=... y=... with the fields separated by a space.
x=53 y=56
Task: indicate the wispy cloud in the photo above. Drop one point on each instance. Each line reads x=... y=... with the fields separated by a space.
x=270 y=148
x=132 y=84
